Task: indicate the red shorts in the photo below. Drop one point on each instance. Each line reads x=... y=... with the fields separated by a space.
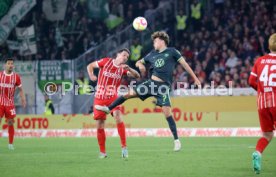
x=7 y=111
x=267 y=118
x=100 y=114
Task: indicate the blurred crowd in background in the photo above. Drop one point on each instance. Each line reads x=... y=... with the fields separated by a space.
x=79 y=30
x=222 y=45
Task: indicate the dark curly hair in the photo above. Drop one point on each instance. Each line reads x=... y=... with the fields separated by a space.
x=161 y=35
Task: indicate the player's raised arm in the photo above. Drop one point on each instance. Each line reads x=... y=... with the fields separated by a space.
x=140 y=65
x=186 y=66
x=90 y=70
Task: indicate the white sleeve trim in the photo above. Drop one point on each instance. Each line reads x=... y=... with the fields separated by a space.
x=180 y=58
x=20 y=85
x=97 y=64
x=254 y=74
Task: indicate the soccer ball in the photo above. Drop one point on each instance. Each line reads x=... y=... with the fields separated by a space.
x=140 y=23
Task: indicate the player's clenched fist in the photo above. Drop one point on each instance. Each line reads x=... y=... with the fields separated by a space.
x=125 y=66
x=92 y=77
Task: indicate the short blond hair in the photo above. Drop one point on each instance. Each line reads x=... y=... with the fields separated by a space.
x=272 y=42
x=161 y=35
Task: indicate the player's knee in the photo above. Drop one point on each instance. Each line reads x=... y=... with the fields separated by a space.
x=167 y=113
x=100 y=124
x=130 y=94
x=118 y=119
x=127 y=96
x=10 y=122
x=268 y=135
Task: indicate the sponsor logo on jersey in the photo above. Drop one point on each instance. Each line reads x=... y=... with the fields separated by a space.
x=159 y=63
x=112 y=75
x=6 y=85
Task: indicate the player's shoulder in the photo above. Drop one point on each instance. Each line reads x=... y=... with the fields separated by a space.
x=264 y=57
x=173 y=50
x=152 y=52
x=16 y=74
x=106 y=58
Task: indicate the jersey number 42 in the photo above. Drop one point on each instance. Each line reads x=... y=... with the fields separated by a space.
x=267 y=76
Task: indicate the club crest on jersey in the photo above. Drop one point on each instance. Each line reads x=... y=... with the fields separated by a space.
x=112 y=75
x=159 y=63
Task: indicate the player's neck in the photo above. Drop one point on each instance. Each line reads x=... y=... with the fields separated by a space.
x=7 y=72
x=116 y=63
x=162 y=49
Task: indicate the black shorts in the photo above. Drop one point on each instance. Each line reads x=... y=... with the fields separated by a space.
x=159 y=90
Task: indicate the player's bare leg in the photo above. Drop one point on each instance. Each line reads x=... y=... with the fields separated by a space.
x=260 y=147
x=120 y=100
x=167 y=112
x=11 y=134
x=101 y=138
x=121 y=131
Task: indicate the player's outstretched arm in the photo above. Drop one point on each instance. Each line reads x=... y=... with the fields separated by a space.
x=131 y=72
x=22 y=96
x=140 y=65
x=186 y=66
x=90 y=70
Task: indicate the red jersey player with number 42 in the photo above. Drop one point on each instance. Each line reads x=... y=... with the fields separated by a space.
x=109 y=80
x=263 y=80
x=8 y=83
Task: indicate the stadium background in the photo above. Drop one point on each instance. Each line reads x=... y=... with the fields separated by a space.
x=54 y=40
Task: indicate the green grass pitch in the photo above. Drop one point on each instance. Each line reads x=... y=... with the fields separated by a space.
x=148 y=157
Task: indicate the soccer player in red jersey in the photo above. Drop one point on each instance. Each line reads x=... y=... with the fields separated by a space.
x=263 y=80
x=8 y=83
x=109 y=80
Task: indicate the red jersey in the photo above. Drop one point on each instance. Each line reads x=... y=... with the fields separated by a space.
x=263 y=79
x=8 y=83
x=109 y=78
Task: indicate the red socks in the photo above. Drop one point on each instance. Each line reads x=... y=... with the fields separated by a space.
x=11 y=133
x=101 y=139
x=101 y=136
x=122 y=133
x=261 y=144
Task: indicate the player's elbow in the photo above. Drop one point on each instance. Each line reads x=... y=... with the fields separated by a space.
x=88 y=67
x=138 y=63
x=137 y=75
